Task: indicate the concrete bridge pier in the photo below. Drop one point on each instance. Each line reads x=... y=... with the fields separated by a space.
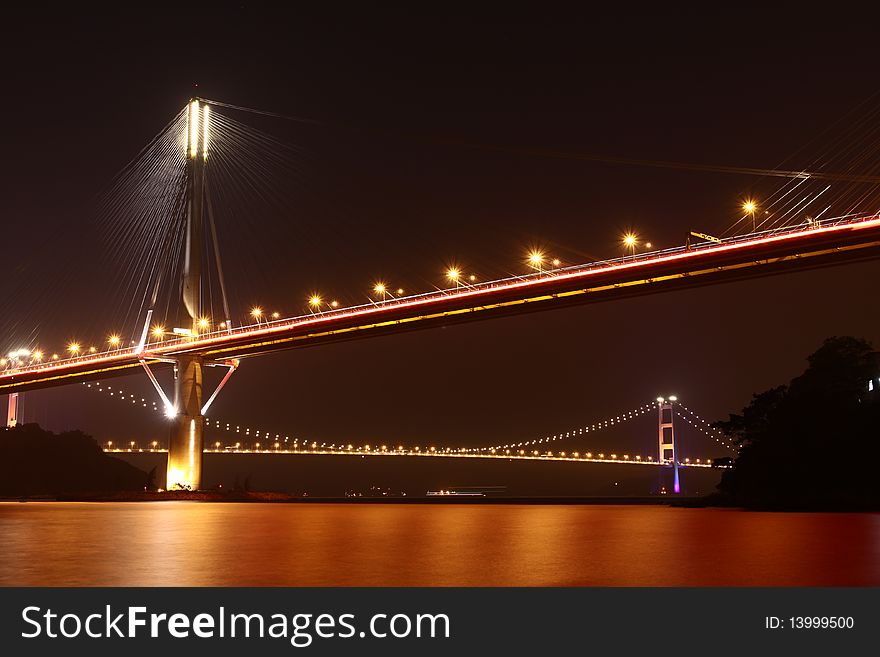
x=12 y=410
x=185 y=443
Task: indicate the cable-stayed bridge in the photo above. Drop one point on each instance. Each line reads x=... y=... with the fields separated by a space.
x=189 y=250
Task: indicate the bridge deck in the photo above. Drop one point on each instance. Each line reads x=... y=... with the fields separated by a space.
x=834 y=242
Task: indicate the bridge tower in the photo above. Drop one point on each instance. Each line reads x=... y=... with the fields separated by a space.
x=666 y=438
x=185 y=442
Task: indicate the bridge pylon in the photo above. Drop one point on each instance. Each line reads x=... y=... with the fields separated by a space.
x=666 y=438
x=185 y=443
x=184 y=469
x=187 y=410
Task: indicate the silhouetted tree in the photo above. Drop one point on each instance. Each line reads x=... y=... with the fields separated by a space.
x=813 y=442
x=40 y=462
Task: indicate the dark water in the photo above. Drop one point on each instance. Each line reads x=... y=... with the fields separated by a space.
x=197 y=544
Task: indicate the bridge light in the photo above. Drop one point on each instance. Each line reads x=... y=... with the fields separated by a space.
x=630 y=241
x=673 y=398
x=276 y=315
x=453 y=274
x=400 y=290
x=203 y=323
x=660 y=400
x=648 y=245
x=556 y=262
x=256 y=312
x=92 y=350
x=158 y=331
x=206 y=116
x=536 y=259
x=37 y=355
x=315 y=301
x=379 y=288
x=113 y=340
x=170 y=411
x=193 y=128
x=334 y=304
x=750 y=208
x=54 y=356
x=73 y=348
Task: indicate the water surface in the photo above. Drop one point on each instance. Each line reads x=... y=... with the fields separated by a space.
x=200 y=544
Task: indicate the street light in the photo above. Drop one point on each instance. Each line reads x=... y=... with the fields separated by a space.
x=203 y=323
x=380 y=288
x=536 y=260
x=113 y=340
x=454 y=275
x=256 y=313
x=158 y=332
x=750 y=207
x=315 y=302
x=73 y=348
x=630 y=242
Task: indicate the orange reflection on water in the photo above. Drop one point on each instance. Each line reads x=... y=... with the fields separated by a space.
x=199 y=544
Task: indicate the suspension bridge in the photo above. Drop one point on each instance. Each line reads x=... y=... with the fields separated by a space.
x=238 y=439
x=187 y=262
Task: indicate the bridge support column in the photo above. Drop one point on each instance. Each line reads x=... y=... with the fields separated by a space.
x=185 y=444
x=12 y=410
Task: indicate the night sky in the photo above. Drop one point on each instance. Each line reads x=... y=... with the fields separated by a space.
x=84 y=90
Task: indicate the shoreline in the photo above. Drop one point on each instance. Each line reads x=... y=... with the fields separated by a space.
x=215 y=497
x=285 y=498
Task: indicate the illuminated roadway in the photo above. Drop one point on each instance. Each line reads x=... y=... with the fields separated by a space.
x=834 y=241
x=510 y=455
